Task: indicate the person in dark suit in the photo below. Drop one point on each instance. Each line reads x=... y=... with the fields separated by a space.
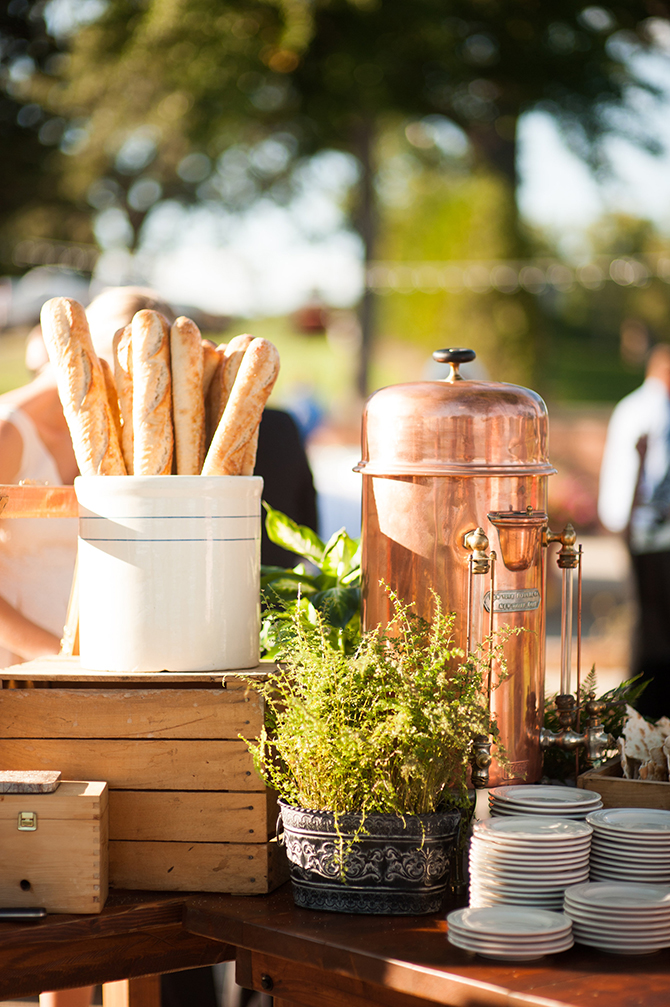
x=287 y=480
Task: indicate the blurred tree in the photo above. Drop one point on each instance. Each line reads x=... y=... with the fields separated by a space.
x=31 y=197
x=223 y=97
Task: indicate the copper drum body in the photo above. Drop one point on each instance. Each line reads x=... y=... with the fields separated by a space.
x=439 y=457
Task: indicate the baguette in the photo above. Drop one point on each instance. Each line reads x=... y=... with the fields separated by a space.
x=211 y=360
x=81 y=387
x=152 y=395
x=224 y=379
x=255 y=380
x=213 y=407
x=112 y=395
x=188 y=401
x=123 y=373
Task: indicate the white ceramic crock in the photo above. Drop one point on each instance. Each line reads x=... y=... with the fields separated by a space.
x=169 y=572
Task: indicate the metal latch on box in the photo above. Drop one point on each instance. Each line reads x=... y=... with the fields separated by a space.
x=27 y=821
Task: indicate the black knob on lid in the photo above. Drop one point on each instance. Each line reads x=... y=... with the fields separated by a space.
x=455 y=356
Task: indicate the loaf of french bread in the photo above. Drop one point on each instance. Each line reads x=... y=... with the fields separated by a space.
x=188 y=401
x=81 y=388
x=152 y=395
x=123 y=374
x=229 y=451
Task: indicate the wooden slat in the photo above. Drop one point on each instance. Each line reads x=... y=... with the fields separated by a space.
x=38 y=501
x=140 y=765
x=154 y=815
x=118 y=713
x=60 y=668
x=73 y=801
x=238 y=868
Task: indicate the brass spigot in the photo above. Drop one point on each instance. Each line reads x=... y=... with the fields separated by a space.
x=568 y=556
x=480 y=761
x=594 y=740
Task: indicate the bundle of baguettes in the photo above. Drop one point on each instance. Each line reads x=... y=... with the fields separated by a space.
x=173 y=403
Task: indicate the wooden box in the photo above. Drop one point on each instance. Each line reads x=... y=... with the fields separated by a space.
x=187 y=810
x=617 y=792
x=53 y=848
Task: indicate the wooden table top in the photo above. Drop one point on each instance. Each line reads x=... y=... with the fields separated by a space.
x=136 y=934
x=408 y=961
x=310 y=958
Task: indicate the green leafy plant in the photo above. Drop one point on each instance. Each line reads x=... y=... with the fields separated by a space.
x=386 y=728
x=562 y=765
x=323 y=588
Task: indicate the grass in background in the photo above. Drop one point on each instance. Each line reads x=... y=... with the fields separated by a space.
x=13 y=371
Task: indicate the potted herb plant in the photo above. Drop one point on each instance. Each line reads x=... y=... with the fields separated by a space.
x=368 y=746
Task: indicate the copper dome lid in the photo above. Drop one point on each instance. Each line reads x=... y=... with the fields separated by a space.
x=455 y=427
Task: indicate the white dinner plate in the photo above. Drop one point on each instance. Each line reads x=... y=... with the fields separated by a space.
x=620 y=897
x=621 y=948
x=539 y=881
x=498 y=811
x=638 y=857
x=653 y=821
x=631 y=928
x=532 y=877
x=533 y=827
x=628 y=874
x=500 y=952
x=498 y=899
x=543 y=795
x=495 y=853
x=509 y=920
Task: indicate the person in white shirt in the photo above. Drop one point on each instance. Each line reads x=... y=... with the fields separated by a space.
x=634 y=500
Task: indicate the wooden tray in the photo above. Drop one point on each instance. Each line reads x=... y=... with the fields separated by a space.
x=617 y=792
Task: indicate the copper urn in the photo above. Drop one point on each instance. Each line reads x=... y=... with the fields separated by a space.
x=454 y=502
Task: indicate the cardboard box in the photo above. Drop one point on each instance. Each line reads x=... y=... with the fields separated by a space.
x=617 y=792
x=54 y=848
x=187 y=810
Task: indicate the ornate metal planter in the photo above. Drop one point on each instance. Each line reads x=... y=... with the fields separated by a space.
x=399 y=866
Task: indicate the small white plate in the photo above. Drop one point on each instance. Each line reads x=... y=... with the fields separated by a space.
x=654 y=821
x=543 y=795
x=624 y=874
x=639 y=857
x=621 y=948
x=549 y=853
x=534 y=828
x=634 y=929
x=620 y=897
x=500 y=811
x=532 y=876
x=508 y=920
x=500 y=952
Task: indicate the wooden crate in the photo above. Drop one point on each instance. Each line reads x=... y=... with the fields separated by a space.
x=617 y=792
x=61 y=862
x=187 y=811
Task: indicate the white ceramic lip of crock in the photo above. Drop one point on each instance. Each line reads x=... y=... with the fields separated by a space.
x=169 y=572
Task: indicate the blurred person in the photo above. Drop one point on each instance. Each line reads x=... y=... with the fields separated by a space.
x=634 y=500
x=37 y=555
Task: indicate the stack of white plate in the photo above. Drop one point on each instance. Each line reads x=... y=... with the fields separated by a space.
x=567 y=802
x=509 y=933
x=527 y=861
x=627 y=919
x=631 y=844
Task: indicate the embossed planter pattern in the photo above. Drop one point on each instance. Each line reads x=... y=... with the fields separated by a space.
x=400 y=866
